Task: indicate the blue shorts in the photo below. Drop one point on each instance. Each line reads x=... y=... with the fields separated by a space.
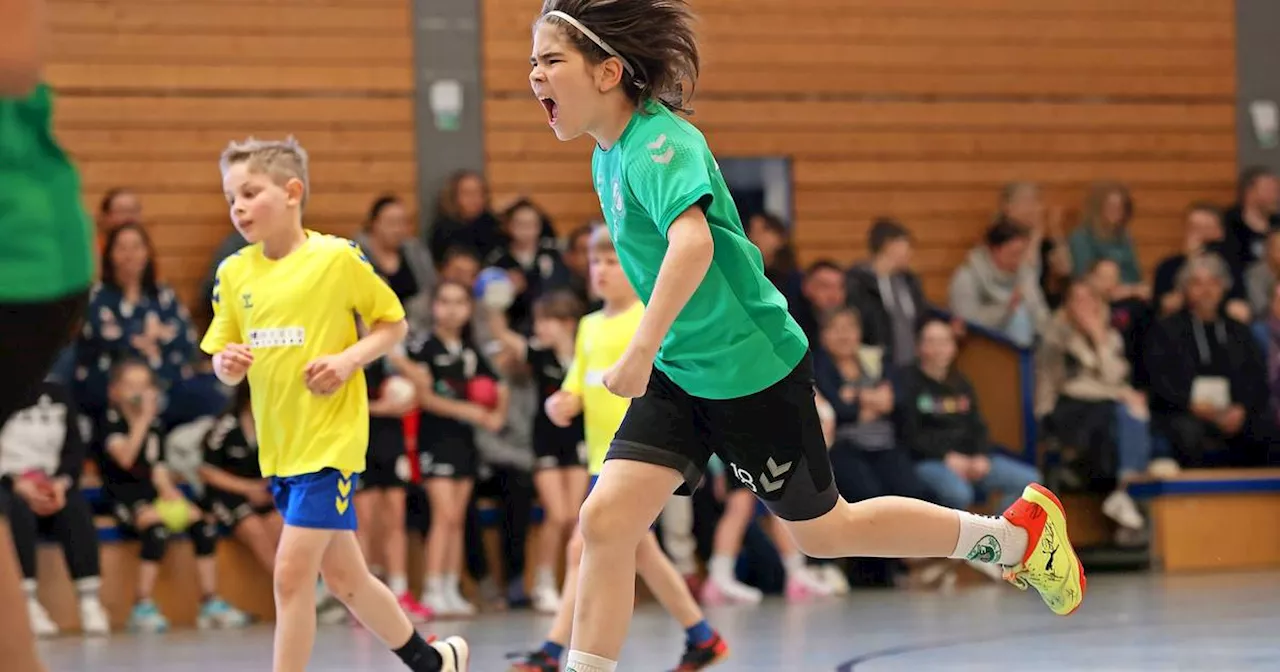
x=321 y=500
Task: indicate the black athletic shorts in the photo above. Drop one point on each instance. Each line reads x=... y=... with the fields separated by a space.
x=128 y=498
x=31 y=335
x=231 y=509
x=559 y=455
x=386 y=464
x=771 y=440
x=449 y=456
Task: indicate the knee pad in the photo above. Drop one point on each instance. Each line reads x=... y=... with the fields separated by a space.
x=155 y=540
x=204 y=537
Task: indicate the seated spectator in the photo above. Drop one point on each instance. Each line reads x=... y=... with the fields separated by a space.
x=1103 y=234
x=1129 y=315
x=998 y=288
x=1085 y=393
x=1023 y=204
x=770 y=234
x=821 y=293
x=119 y=206
x=1248 y=223
x=865 y=456
x=576 y=248
x=1204 y=236
x=1260 y=278
x=132 y=315
x=235 y=492
x=888 y=294
x=1266 y=331
x=41 y=456
x=400 y=258
x=940 y=424
x=533 y=264
x=1208 y=379
x=464 y=218
x=130 y=454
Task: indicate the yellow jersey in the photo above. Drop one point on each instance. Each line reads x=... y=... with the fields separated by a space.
x=292 y=311
x=600 y=343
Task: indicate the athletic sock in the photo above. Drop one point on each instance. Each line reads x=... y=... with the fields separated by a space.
x=29 y=586
x=552 y=650
x=721 y=568
x=585 y=662
x=794 y=564
x=87 y=588
x=419 y=656
x=435 y=585
x=398 y=584
x=699 y=633
x=990 y=539
x=545 y=577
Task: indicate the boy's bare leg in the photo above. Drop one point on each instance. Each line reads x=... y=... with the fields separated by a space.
x=349 y=578
x=297 y=566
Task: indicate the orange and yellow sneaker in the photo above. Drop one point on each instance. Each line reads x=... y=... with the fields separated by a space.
x=1050 y=565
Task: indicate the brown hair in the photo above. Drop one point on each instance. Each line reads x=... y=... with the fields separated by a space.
x=560 y=304
x=447 y=202
x=654 y=37
x=1099 y=194
x=600 y=240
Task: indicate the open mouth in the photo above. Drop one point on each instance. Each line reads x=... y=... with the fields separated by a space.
x=551 y=108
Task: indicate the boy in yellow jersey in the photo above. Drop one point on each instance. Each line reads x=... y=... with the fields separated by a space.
x=602 y=338
x=285 y=312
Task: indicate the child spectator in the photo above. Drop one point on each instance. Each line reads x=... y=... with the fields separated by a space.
x=560 y=465
x=234 y=490
x=943 y=428
x=41 y=455
x=130 y=451
x=459 y=392
x=533 y=264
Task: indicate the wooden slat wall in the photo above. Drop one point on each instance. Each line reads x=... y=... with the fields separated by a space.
x=151 y=91
x=922 y=109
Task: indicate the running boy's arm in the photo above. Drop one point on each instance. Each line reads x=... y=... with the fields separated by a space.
x=21 y=45
x=689 y=252
x=231 y=359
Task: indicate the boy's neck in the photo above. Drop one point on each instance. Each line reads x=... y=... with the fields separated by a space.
x=618 y=117
x=616 y=306
x=284 y=245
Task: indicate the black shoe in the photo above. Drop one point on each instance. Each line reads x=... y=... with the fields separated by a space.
x=701 y=656
x=538 y=661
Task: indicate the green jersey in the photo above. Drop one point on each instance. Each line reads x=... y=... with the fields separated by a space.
x=47 y=237
x=735 y=337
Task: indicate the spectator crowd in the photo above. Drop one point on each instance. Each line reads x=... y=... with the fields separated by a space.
x=1142 y=367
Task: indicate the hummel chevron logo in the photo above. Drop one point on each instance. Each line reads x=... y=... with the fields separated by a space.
x=776 y=470
x=657 y=144
x=665 y=157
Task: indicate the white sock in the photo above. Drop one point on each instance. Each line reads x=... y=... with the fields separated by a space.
x=990 y=539
x=398 y=584
x=545 y=577
x=794 y=564
x=585 y=662
x=721 y=568
x=435 y=585
x=29 y=586
x=452 y=584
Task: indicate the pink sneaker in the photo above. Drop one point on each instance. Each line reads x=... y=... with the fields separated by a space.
x=417 y=611
x=797 y=591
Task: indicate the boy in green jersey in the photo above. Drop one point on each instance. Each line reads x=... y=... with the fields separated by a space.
x=717 y=363
x=45 y=264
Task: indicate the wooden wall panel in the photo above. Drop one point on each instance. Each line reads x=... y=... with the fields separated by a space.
x=151 y=91
x=922 y=109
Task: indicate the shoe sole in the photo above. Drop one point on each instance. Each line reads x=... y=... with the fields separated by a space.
x=1048 y=501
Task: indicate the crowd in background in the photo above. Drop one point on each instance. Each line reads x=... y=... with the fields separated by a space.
x=1143 y=367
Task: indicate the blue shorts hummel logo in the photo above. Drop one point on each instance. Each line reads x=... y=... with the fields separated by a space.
x=321 y=500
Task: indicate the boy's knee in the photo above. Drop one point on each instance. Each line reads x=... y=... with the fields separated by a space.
x=341 y=581
x=603 y=521
x=292 y=579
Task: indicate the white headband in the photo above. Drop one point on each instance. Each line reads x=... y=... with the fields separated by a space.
x=594 y=38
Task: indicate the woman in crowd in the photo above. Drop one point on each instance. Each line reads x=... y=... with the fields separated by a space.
x=132 y=315
x=400 y=257
x=1103 y=233
x=769 y=233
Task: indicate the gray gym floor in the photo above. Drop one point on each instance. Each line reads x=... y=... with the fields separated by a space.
x=1131 y=622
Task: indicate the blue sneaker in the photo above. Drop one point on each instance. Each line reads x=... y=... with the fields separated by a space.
x=216 y=613
x=147 y=618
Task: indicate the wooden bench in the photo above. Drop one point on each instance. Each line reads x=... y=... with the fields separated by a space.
x=1215 y=519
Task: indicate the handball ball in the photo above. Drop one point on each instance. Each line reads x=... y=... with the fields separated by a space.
x=174 y=513
x=398 y=390
x=483 y=390
x=494 y=289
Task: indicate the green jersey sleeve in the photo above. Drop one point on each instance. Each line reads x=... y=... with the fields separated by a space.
x=667 y=174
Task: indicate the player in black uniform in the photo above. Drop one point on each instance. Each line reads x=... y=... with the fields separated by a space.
x=235 y=492
x=380 y=497
x=534 y=263
x=459 y=392
x=129 y=445
x=560 y=468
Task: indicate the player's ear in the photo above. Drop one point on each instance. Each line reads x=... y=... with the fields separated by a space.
x=296 y=190
x=608 y=74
